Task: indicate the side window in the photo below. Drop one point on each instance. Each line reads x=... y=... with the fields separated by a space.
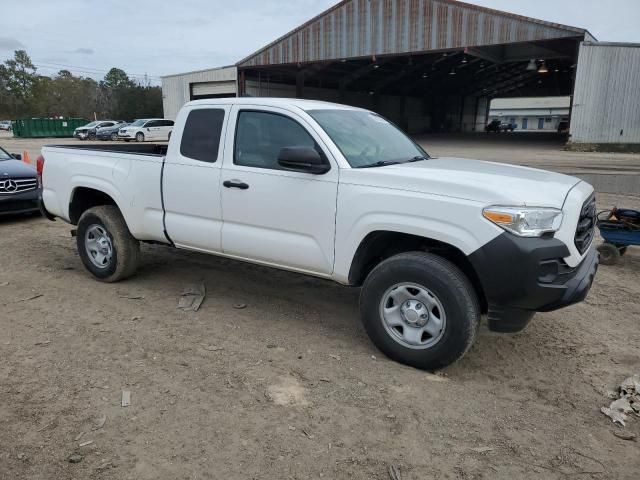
x=153 y=123
x=261 y=135
x=201 y=135
x=168 y=123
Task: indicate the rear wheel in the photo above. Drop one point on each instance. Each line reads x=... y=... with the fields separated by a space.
x=609 y=254
x=420 y=309
x=106 y=247
x=139 y=137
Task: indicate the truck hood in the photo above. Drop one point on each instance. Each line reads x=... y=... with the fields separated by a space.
x=16 y=169
x=485 y=182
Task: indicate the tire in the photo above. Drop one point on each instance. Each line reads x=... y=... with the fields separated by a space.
x=124 y=249
x=609 y=254
x=139 y=137
x=451 y=300
x=92 y=136
x=127 y=140
x=169 y=137
x=114 y=137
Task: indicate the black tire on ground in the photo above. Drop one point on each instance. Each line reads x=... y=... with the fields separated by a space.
x=169 y=137
x=127 y=140
x=139 y=137
x=114 y=136
x=609 y=254
x=92 y=136
x=621 y=248
x=447 y=283
x=126 y=249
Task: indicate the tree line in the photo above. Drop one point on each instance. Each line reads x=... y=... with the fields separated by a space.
x=26 y=94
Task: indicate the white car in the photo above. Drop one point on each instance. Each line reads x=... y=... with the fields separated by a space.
x=339 y=193
x=147 y=129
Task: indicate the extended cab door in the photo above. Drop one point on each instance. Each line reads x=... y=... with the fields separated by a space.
x=272 y=215
x=191 y=179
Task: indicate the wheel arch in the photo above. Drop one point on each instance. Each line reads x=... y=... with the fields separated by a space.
x=83 y=198
x=379 y=245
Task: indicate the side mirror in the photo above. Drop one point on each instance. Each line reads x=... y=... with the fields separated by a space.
x=17 y=156
x=148 y=129
x=302 y=159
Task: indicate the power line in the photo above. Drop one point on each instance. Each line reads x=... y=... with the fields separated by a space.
x=53 y=65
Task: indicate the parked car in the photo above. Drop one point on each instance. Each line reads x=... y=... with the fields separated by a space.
x=109 y=133
x=147 y=129
x=563 y=126
x=19 y=186
x=498 y=126
x=88 y=132
x=340 y=193
x=5 y=125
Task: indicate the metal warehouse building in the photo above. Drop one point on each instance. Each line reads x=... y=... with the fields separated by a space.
x=428 y=65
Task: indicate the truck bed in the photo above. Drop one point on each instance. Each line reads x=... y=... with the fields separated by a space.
x=153 y=149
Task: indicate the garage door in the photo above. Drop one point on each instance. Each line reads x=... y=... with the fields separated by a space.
x=213 y=88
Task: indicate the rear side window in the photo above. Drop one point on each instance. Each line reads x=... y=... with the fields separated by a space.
x=201 y=135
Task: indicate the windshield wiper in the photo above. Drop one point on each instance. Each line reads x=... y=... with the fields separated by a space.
x=418 y=158
x=381 y=163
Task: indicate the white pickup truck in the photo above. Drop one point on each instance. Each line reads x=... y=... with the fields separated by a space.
x=340 y=193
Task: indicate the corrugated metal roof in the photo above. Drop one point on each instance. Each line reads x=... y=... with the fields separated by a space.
x=360 y=28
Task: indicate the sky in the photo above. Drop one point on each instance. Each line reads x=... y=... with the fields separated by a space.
x=156 y=37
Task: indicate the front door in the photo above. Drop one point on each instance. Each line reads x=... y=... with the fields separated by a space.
x=272 y=215
x=191 y=180
x=525 y=123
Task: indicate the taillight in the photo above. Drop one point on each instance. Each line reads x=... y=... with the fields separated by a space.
x=40 y=168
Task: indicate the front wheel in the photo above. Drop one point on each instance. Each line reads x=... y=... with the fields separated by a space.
x=139 y=137
x=114 y=137
x=420 y=309
x=106 y=247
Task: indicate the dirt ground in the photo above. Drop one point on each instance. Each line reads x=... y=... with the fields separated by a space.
x=289 y=387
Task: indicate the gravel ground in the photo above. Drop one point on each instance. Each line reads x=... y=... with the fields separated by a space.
x=290 y=386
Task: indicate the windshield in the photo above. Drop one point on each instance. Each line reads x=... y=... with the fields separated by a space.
x=366 y=139
x=92 y=124
x=138 y=123
x=4 y=155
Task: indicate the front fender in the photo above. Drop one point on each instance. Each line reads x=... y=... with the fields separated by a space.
x=453 y=221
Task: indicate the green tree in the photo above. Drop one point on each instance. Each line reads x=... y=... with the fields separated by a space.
x=19 y=74
x=117 y=79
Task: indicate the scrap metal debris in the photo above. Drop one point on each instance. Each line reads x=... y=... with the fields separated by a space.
x=192 y=297
x=394 y=472
x=625 y=435
x=126 y=398
x=627 y=401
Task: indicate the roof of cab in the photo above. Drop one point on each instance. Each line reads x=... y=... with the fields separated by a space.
x=274 y=102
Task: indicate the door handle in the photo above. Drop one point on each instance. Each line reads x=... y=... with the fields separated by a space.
x=235 y=184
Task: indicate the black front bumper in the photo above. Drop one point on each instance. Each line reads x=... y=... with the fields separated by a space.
x=17 y=203
x=521 y=276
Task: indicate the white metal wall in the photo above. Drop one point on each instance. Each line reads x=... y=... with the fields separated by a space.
x=176 y=88
x=606 y=102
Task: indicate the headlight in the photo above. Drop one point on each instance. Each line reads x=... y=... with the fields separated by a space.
x=525 y=221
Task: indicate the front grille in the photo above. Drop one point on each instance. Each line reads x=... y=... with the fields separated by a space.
x=586 y=225
x=10 y=186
